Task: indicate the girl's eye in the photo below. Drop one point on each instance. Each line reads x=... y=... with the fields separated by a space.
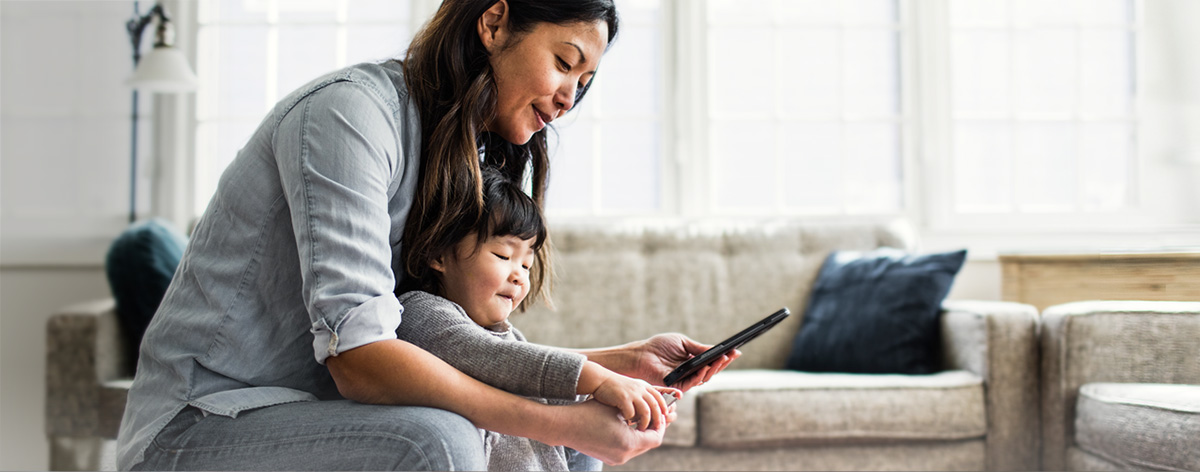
x=523 y=266
x=503 y=258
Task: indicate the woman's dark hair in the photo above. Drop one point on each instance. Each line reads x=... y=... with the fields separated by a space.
x=507 y=211
x=452 y=84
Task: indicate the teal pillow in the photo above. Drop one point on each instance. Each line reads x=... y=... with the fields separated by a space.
x=876 y=312
x=139 y=265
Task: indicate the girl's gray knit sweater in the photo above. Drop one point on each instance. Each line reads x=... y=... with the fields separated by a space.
x=500 y=357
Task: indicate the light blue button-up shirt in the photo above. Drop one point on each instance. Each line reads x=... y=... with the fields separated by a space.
x=293 y=260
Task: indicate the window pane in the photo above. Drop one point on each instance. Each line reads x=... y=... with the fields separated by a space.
x=872 y=73
x=977 y=12
x=1108 y=12
x=305 y=52
x=1107 y=63
x=630 y=166
x=982 y=167
x=571 y=169
x=743 y=160
x=242 y=82
x=741 y=69
x=231 y=10
x=631 y=74
x=324 y=11
x=980 y=68
x=809 y=67
x=738 y=11
x=799 y=12
x=1106 y=150
x=638 y=12
x=873 y=151
x=378 y=11
x=1045 y=12
x=1046 y=71
x=869 y=11
x=369 y=43
x=1046 y=167
x=812 y=166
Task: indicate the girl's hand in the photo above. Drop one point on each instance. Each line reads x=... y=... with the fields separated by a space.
x=640 y=403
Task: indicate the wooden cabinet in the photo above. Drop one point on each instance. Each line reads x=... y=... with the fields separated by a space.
x=1044 y=280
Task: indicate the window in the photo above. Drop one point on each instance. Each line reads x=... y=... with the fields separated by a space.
x=1042 y=116
x=251 y=53
x=960 y=115
x=804 y=110
x=608 y=153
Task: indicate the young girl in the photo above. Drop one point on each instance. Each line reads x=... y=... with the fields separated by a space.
x=457 y=308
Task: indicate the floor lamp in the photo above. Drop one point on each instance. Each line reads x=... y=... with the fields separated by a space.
x=164 y=69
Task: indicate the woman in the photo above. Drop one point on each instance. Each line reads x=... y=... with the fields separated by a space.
x=275 y=345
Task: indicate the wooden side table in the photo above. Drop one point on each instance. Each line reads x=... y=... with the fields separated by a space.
x=1044 y=280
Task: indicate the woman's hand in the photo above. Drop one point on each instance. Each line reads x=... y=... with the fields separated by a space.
x=593 y=428
x=640 y=403
x=656 y=357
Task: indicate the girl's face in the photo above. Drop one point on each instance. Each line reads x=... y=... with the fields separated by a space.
x=489 y=283
x=538 y=72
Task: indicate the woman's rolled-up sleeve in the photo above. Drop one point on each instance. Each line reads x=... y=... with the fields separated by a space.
x=337 y=151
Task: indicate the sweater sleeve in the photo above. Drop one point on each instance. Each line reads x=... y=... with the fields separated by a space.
x=442 y=327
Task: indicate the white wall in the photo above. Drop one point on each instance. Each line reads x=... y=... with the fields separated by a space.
x=64 y=176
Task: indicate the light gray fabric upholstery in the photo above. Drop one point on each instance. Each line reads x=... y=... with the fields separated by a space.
x=766 y=408
x=1154 y=426
x=1110 y=341
x=82 y=353
x=1080 y=460
x=941 y=455
x=998 y=341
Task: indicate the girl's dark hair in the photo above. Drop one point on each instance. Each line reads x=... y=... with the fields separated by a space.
x=507 y=211
x=450 y=80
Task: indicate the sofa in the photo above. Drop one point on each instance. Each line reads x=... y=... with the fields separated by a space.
x=617 y=283
x=1121 y=386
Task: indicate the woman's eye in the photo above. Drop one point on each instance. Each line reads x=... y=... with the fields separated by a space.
x=564 y=64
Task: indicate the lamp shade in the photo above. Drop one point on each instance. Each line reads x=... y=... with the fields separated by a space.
x=163 y=69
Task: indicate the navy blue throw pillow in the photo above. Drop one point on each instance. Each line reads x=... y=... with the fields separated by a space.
x=139 y=265
x=876 y=312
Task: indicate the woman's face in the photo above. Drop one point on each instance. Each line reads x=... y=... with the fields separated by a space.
x=538 y=72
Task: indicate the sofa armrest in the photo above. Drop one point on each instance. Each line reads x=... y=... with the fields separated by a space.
x=1110 y=341
x=85 y=349
x=998 y=342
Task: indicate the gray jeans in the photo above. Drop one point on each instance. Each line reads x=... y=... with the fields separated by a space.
x=327 y=435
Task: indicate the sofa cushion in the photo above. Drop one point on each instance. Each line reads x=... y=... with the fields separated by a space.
x=765 y=408
x=875 y=312
x=1140 y=425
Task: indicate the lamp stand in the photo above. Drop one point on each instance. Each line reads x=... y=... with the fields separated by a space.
x=135 y=27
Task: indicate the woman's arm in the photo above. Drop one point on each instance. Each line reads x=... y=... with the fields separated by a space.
x=395 y=372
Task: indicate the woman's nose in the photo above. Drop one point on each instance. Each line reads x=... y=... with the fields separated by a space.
x=565 y=98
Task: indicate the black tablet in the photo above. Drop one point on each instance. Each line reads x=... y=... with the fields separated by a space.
x=707 y=357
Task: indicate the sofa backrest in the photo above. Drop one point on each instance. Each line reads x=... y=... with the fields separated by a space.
x=707 y=280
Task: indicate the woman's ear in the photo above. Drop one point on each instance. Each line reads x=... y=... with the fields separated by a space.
x=493 y=26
